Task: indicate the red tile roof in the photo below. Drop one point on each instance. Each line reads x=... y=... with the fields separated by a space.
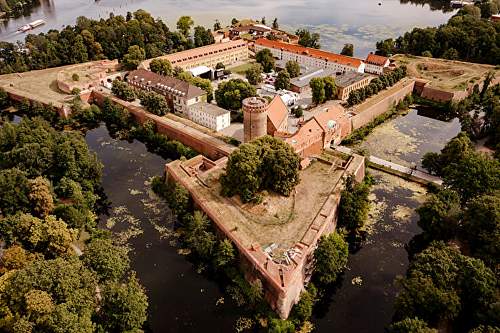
x=277 y=112
x=168 y=83
x=314 y=53
x=376 y=59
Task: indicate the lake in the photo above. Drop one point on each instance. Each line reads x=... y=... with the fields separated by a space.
x=361 y=22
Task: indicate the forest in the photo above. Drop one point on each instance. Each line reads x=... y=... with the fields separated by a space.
x=58 y=271
x=111 y=38
x=469 y=36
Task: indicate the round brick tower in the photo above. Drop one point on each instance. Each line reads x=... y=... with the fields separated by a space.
x=254 y=118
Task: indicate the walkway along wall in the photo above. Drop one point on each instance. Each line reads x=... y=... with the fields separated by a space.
x=378 y=105
x=199 y=141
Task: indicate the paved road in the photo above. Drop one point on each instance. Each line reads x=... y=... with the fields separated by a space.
x=396 y=168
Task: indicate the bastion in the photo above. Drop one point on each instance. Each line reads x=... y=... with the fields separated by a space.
x=277 y=237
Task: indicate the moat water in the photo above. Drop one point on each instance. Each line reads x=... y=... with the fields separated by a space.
x=361 y=22
x=182 y=300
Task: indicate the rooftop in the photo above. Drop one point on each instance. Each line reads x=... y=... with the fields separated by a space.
x=376 y=60
x=277 y=111
x=209 y=108
x=168 y=83
x=315 y=53
x=350 y=78
x=198 y=52
x=303 y=80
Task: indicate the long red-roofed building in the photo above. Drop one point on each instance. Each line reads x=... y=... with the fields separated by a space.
x=310 y=57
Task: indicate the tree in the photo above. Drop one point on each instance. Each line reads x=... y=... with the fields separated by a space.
x=307 y=39
x=348 y=50
x=440 y=215
x=4 y=99
x=51 y=295
x=134 y=57
x=303 y=309
x=265 y=163
x=15 y=189
x=220 y=65
x=184 y=25
x=109 y=261
x=234 y=21
x=231 y=93
x=217 y=25
x=161 y=66
x=263 y=20
x=198 y=236
x=354 y=204
x=123 y=307
x=331 y=258
x=330 y=88
x=266 y=59
x=41 y=196
x=293 y=68
x=318 y=90
x=155 y=103
x=254 y=74
x=122 y=90
x=275 y=24
x=224 y=254
x=409 y=325
x=282 y=81
x=298 y=111
x=451 y=54
x=203 y=36
x=481 y=225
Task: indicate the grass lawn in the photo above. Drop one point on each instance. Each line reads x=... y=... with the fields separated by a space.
x=241 y=69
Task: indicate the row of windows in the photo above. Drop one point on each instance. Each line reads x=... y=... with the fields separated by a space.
x=207 y=54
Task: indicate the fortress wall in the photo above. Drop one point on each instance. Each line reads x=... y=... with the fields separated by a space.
x=367 y=115
x=199 y=141
x=282 y=284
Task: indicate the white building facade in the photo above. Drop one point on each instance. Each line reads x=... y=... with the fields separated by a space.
x=310 y=57
x=210 y=116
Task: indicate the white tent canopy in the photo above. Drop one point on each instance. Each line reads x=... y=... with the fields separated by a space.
x=197 y=71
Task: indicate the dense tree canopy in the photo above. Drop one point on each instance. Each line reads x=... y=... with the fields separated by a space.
x=231 y=93
x=155 y=103
x=348 y=50
x=466 y=36
x=282 y=80
x=266 y=163
x=92 y=40
x=293 y=68
x=331 y=258
x=161 y=66
x=49 y=185
x=464 y=170
x=254 y=74
x=266 y=60
x=308 y=39
x=443 y=285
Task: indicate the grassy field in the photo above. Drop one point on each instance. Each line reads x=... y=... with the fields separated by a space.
x=241 y=69
x=445 y=74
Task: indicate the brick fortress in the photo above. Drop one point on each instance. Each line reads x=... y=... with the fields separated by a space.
x=276 y=238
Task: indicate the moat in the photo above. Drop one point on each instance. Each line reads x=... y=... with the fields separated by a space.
x=362 y=22
x=181 y=299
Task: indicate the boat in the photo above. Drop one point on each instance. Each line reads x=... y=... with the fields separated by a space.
x=31 y=26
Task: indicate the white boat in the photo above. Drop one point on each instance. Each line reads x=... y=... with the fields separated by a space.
x=31 y=26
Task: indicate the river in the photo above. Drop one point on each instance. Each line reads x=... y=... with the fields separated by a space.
x=361 y=22
x=181 y=300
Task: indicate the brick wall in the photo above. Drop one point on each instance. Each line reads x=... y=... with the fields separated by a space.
x=199 y=141
x=382 y=106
